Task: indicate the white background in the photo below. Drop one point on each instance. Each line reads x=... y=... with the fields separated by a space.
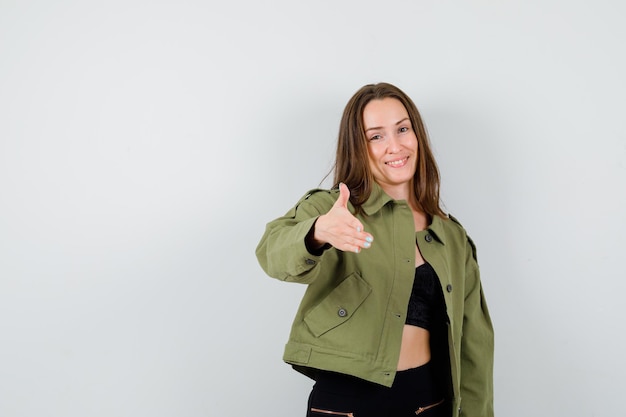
x=145 y=144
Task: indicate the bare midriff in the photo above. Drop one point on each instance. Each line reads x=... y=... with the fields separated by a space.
x=415 y=347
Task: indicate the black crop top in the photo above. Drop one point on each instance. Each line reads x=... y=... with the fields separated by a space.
x=426 y=302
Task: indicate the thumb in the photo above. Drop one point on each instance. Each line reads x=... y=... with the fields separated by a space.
x=344 y=196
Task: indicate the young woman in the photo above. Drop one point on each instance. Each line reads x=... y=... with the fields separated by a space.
x=394 y=321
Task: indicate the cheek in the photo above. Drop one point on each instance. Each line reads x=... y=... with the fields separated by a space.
x=372 y=156
x=371 y=163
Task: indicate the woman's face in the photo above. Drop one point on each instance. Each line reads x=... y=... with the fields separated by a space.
x=391 y=145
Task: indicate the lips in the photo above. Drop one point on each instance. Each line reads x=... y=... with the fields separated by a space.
x=397 y=163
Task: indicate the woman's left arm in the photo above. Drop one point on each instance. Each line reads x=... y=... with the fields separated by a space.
x=477 y=344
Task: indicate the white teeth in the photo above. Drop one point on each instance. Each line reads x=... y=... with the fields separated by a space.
x=395 y=163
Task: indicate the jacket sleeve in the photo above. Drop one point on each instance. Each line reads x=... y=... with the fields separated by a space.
x=282 y=252
x=477 y=345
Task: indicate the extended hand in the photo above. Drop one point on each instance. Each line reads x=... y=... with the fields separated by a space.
x=340 y=228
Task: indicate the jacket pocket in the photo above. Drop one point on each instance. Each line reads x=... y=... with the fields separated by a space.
x=338 y=306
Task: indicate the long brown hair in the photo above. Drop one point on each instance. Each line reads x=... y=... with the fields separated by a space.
x=352 y=161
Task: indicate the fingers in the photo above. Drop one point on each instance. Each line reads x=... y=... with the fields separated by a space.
x=355 y=240
x=344 y=196
x=344 y=232
x=341 y=208
x=360 y=239
x=364 y=241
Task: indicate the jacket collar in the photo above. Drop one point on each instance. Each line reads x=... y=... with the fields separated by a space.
x=378 y=199
x=436 y=228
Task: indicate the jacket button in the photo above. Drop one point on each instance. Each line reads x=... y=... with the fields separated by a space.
x=342 y=312
x=428 y=238
x=310 y=262
x=449 y=288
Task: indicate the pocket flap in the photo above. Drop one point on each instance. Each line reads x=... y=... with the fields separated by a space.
x=338 y=306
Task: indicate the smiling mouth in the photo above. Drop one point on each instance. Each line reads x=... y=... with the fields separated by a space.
x=397 y=163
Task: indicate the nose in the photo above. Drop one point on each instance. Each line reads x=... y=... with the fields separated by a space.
x=394 y=144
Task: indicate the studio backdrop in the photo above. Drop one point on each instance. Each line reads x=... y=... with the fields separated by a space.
x=144 y=145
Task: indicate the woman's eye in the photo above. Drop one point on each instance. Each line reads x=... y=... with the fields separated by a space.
x=404 y=129
x=376 y=137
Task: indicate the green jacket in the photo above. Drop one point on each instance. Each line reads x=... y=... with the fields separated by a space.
x=351 y=317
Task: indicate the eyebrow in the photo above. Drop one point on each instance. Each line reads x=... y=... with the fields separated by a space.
x=380 y=127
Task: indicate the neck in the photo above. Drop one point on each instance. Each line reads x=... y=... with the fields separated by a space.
x=400 y=192
x=403 y=192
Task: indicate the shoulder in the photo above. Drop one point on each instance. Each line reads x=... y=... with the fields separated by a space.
x=456 y=223
x=450 y=224
x=320 y=199
x=320 y=195
x=455 y=226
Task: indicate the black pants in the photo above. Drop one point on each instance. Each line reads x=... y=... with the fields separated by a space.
x=413 y=393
